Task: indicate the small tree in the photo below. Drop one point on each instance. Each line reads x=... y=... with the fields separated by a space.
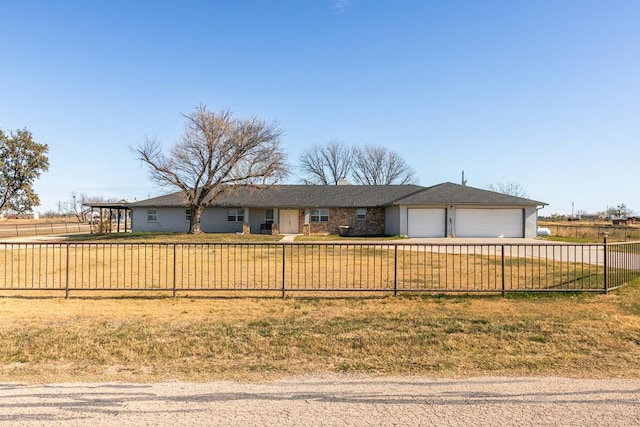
x=77 y=205
x=22 y=161
x=217 y=153
x=328 y=164
x=376 y=165
x=620 y=210
x=509 y=188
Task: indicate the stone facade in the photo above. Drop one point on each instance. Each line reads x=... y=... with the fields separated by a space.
x=372 y=225
x=275 y=230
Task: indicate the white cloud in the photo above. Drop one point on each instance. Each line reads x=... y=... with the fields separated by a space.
x=340 y=6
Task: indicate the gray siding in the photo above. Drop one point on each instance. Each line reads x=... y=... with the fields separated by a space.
x=167 y=220
x=173 y=220
x=392 y=221
x=531 y=222
x=215 y=220
x=256 y=219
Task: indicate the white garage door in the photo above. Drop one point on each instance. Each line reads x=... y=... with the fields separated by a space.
x=489 y=223
x=426 y=222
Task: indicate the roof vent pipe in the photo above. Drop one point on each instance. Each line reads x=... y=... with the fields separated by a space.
x=343 y=181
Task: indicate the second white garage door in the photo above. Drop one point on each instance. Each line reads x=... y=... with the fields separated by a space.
x=489 y=223
x=426 y=222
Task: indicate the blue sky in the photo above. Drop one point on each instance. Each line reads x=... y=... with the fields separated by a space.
x=543 y=93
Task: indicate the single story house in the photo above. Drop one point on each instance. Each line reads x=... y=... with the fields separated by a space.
x=444 y=210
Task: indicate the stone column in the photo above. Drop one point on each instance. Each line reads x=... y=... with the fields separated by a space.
x=246 y=226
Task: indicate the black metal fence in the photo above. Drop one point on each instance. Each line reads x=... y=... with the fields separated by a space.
x=290 y=268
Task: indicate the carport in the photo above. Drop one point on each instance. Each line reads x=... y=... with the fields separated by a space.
x=120 y=211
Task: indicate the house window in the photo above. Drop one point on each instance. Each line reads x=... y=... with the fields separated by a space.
x=361 y=213
x=268 y=216
x=187 y=215
x=319 y=215
x=152 y=215
x=236 y=215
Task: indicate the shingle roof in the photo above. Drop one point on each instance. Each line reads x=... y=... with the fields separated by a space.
x=296 y=196
x=329 y=196
x=449 y=193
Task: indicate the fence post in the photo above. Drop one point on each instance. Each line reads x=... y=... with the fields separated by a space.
x=175 y=252
x=66 y=281
x=503 y=269
x=284 y=263
x=606 y=269
x=395 y=271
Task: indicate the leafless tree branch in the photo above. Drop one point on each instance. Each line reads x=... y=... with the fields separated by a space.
x=328 y=164
x=376 y=165
x=509 y=188
x=217 y=153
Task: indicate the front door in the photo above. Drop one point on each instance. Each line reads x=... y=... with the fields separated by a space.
x=289 y=221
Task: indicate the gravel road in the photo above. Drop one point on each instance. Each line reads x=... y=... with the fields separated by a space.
x=328 y=401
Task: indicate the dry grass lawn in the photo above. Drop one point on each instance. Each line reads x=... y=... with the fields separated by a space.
x=136 y=339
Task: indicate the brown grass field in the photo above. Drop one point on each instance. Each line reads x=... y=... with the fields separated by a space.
x=253 y=339
x=132 y=338
x=591 y=232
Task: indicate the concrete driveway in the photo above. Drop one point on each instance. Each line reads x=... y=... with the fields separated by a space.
x=477 y=241
x=329 y=401
x=514 y=247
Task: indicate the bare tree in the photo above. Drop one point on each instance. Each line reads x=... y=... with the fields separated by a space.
x=376 y=165
x=217 y=153
x=328 y=164
x=620 y=210
x=77 y=205
x=509 y=188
